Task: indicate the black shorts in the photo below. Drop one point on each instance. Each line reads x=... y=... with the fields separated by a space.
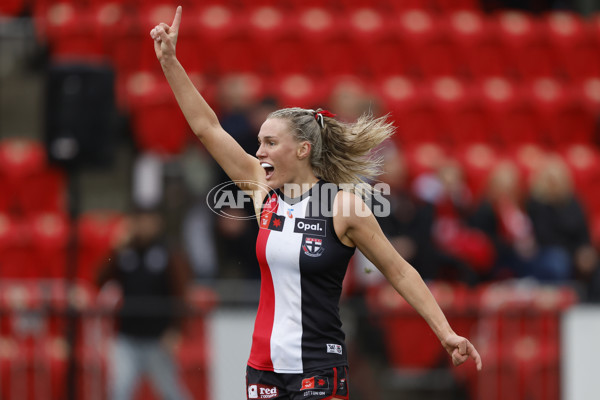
x=315 y=385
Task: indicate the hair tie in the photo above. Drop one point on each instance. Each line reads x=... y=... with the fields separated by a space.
x=319 y=117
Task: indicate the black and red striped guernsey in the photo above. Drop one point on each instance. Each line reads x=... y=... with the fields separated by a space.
x=303 y=264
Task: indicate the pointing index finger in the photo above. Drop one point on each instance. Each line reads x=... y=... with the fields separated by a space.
x=177 y=19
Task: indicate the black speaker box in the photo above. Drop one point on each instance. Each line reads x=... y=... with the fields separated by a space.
x=81 y=117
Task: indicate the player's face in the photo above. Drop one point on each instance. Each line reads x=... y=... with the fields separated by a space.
x=277 y=152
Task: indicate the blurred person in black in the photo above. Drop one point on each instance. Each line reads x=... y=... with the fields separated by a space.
x=152 y=280
x=560 y=226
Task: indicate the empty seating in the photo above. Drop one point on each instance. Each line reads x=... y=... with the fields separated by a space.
x=526 y=45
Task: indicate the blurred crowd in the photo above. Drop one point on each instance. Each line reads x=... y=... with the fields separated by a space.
x=511 y=222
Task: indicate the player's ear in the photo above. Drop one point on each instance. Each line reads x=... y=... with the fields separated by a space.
x=303 y=150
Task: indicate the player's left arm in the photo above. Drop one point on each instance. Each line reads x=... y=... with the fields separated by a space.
x=355 y=225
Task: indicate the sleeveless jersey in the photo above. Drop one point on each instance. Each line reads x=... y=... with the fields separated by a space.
x=303 y=264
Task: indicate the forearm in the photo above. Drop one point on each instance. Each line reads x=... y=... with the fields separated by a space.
x=410 y=285
x=196 y=110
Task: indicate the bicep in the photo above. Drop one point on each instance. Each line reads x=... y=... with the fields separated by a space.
x=368 y=237
x=362 y=230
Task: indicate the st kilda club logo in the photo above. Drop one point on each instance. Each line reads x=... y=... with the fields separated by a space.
x=313 y=247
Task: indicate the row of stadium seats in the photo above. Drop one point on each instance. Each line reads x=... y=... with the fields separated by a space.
x=35 y=231
x=16 y=7
x=448 y=111
x=38 y=246
x=34 y=356
x=516 y=328
x=218 y=39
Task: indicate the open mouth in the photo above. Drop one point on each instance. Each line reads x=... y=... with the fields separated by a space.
x=269 y=169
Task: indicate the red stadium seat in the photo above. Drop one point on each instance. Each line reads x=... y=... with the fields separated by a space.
x=565 y=118
x=16 y=258
x=478 y=160
x=411 y=108
x=427 y=43
x=299 y=90
x=365 y=24
x=525 y=43
x=20 y=158
x=315 y=23
x=266 y=22
x=445 y=6
x=22 y=166
x=300 y=5
x=518 y=336
x=98 y=232
x=193 y=353
x=407 y=5
x=512 y=114
x=69 y=28
x=12 y=8
x=410 y=342
x=109 y=19
x=387 y=56
x=477 y=43
x=8 y=199
x=382 y=50
x=462 y=118
x=222 y=40
x=158 y=124
x=44 y=192
x=329 y=48
x=50 y=234
x=290 y=54
x=577 y=52
x=588 y=92
x=548 y=96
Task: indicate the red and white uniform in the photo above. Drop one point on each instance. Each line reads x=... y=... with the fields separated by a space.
x=303 y=264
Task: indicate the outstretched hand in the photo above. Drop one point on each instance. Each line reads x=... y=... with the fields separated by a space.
x=165 y=37
x=461 y=350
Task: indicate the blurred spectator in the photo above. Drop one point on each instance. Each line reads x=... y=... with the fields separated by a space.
x=237 y=104
x=198 y=173
x=412 y=223
x=502 y=216
x=237 y=259
x=463 y=250
x=560 y=225
x=152 y=280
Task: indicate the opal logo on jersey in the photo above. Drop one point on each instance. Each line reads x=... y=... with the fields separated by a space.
x=311 y=226
x=262 y=392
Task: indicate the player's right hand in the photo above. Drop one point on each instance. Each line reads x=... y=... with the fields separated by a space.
x=165 y=37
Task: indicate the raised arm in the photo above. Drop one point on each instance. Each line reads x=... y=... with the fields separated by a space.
x=365 y=233
x=238 y=164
